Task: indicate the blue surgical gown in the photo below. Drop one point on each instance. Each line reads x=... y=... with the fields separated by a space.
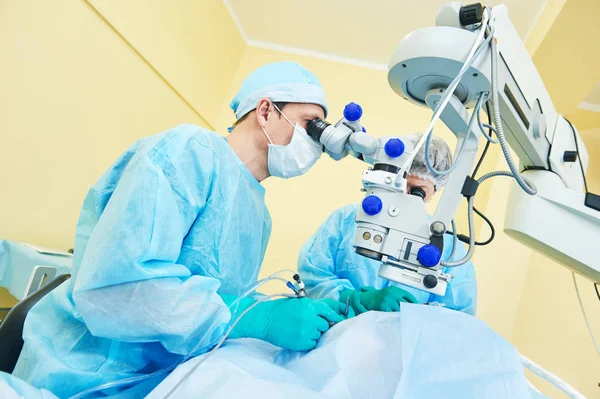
x=328 y=265
x=176 y=221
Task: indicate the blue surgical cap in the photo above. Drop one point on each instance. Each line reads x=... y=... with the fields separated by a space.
x=280 y=82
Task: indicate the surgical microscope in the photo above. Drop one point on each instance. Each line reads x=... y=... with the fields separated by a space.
x=472 y=56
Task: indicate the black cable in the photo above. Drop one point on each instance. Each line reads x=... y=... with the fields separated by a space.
x=487 y=145
x=596 y=288
x=464 y=238
x=483 y=154
x=578 y=155
x=489 y=223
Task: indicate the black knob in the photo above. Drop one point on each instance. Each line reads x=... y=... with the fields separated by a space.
x=430 y=281
x=570 y=156
x=471 y=14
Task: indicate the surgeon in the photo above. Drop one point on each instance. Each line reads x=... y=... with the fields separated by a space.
x=332 y=269
x=169 y=238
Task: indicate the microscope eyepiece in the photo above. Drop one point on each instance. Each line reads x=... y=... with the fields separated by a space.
x=418 y=192
x=316 y=127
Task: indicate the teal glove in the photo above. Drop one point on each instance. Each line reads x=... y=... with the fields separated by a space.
x=340 y=308
x=384 y=300
x=295 y=324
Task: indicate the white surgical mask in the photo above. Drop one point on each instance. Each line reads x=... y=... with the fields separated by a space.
x=297 y=157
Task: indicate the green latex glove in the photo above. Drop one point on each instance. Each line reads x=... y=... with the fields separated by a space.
x=293 y=323
x=384 y=300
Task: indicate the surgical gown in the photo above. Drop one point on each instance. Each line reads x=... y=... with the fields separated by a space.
x=328 y=265
x=176 y=221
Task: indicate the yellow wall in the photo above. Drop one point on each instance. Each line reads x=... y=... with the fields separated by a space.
x=75 y=95
x=568 y=60
x=501 y=266
x=81 y=81
x=298 y=206
x=550 y=328
x=193 y=44
x=526 y=297
x=540 y=313
x=543 y=24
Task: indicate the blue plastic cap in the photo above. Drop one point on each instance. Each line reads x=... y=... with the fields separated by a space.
x=372 y=205
x=394 y=148
x=429 y=255
x=352 y=112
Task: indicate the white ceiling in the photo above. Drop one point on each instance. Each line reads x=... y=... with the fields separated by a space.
x=357 y=31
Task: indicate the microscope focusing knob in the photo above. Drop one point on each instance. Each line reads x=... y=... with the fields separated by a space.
x=394 y=148
x=430 y=281
x=372 y=205
x=429 y=255
x=353 y=112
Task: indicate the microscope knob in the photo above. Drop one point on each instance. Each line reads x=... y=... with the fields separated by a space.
x=394 y=148
x=429 y=255
x=372 y=205
x=353 y=112
x=430 y=281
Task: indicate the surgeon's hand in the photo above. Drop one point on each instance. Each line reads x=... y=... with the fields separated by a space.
x=384 y=300
x=293 y=323
x=340 y=308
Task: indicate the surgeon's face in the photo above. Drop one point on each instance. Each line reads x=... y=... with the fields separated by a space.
x=416 y=183
x=281 y=131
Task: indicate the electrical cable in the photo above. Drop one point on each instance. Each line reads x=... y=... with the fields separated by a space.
x=444 y=103
x=462 y=237
x=490 y=225
x=460 y=151
x=474 y=53
x=454 y=239
x=488 y=125
x=587 y=322
x=470 y=212
x=139 y=378
x=551 y=378
x=487 y=144
x=529 y=188
x=257 y=285
x=213 y=350
x=466 y=258
x=483 y=154
x=465 y=239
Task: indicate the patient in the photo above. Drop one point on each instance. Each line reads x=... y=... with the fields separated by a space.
x=420 y=352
